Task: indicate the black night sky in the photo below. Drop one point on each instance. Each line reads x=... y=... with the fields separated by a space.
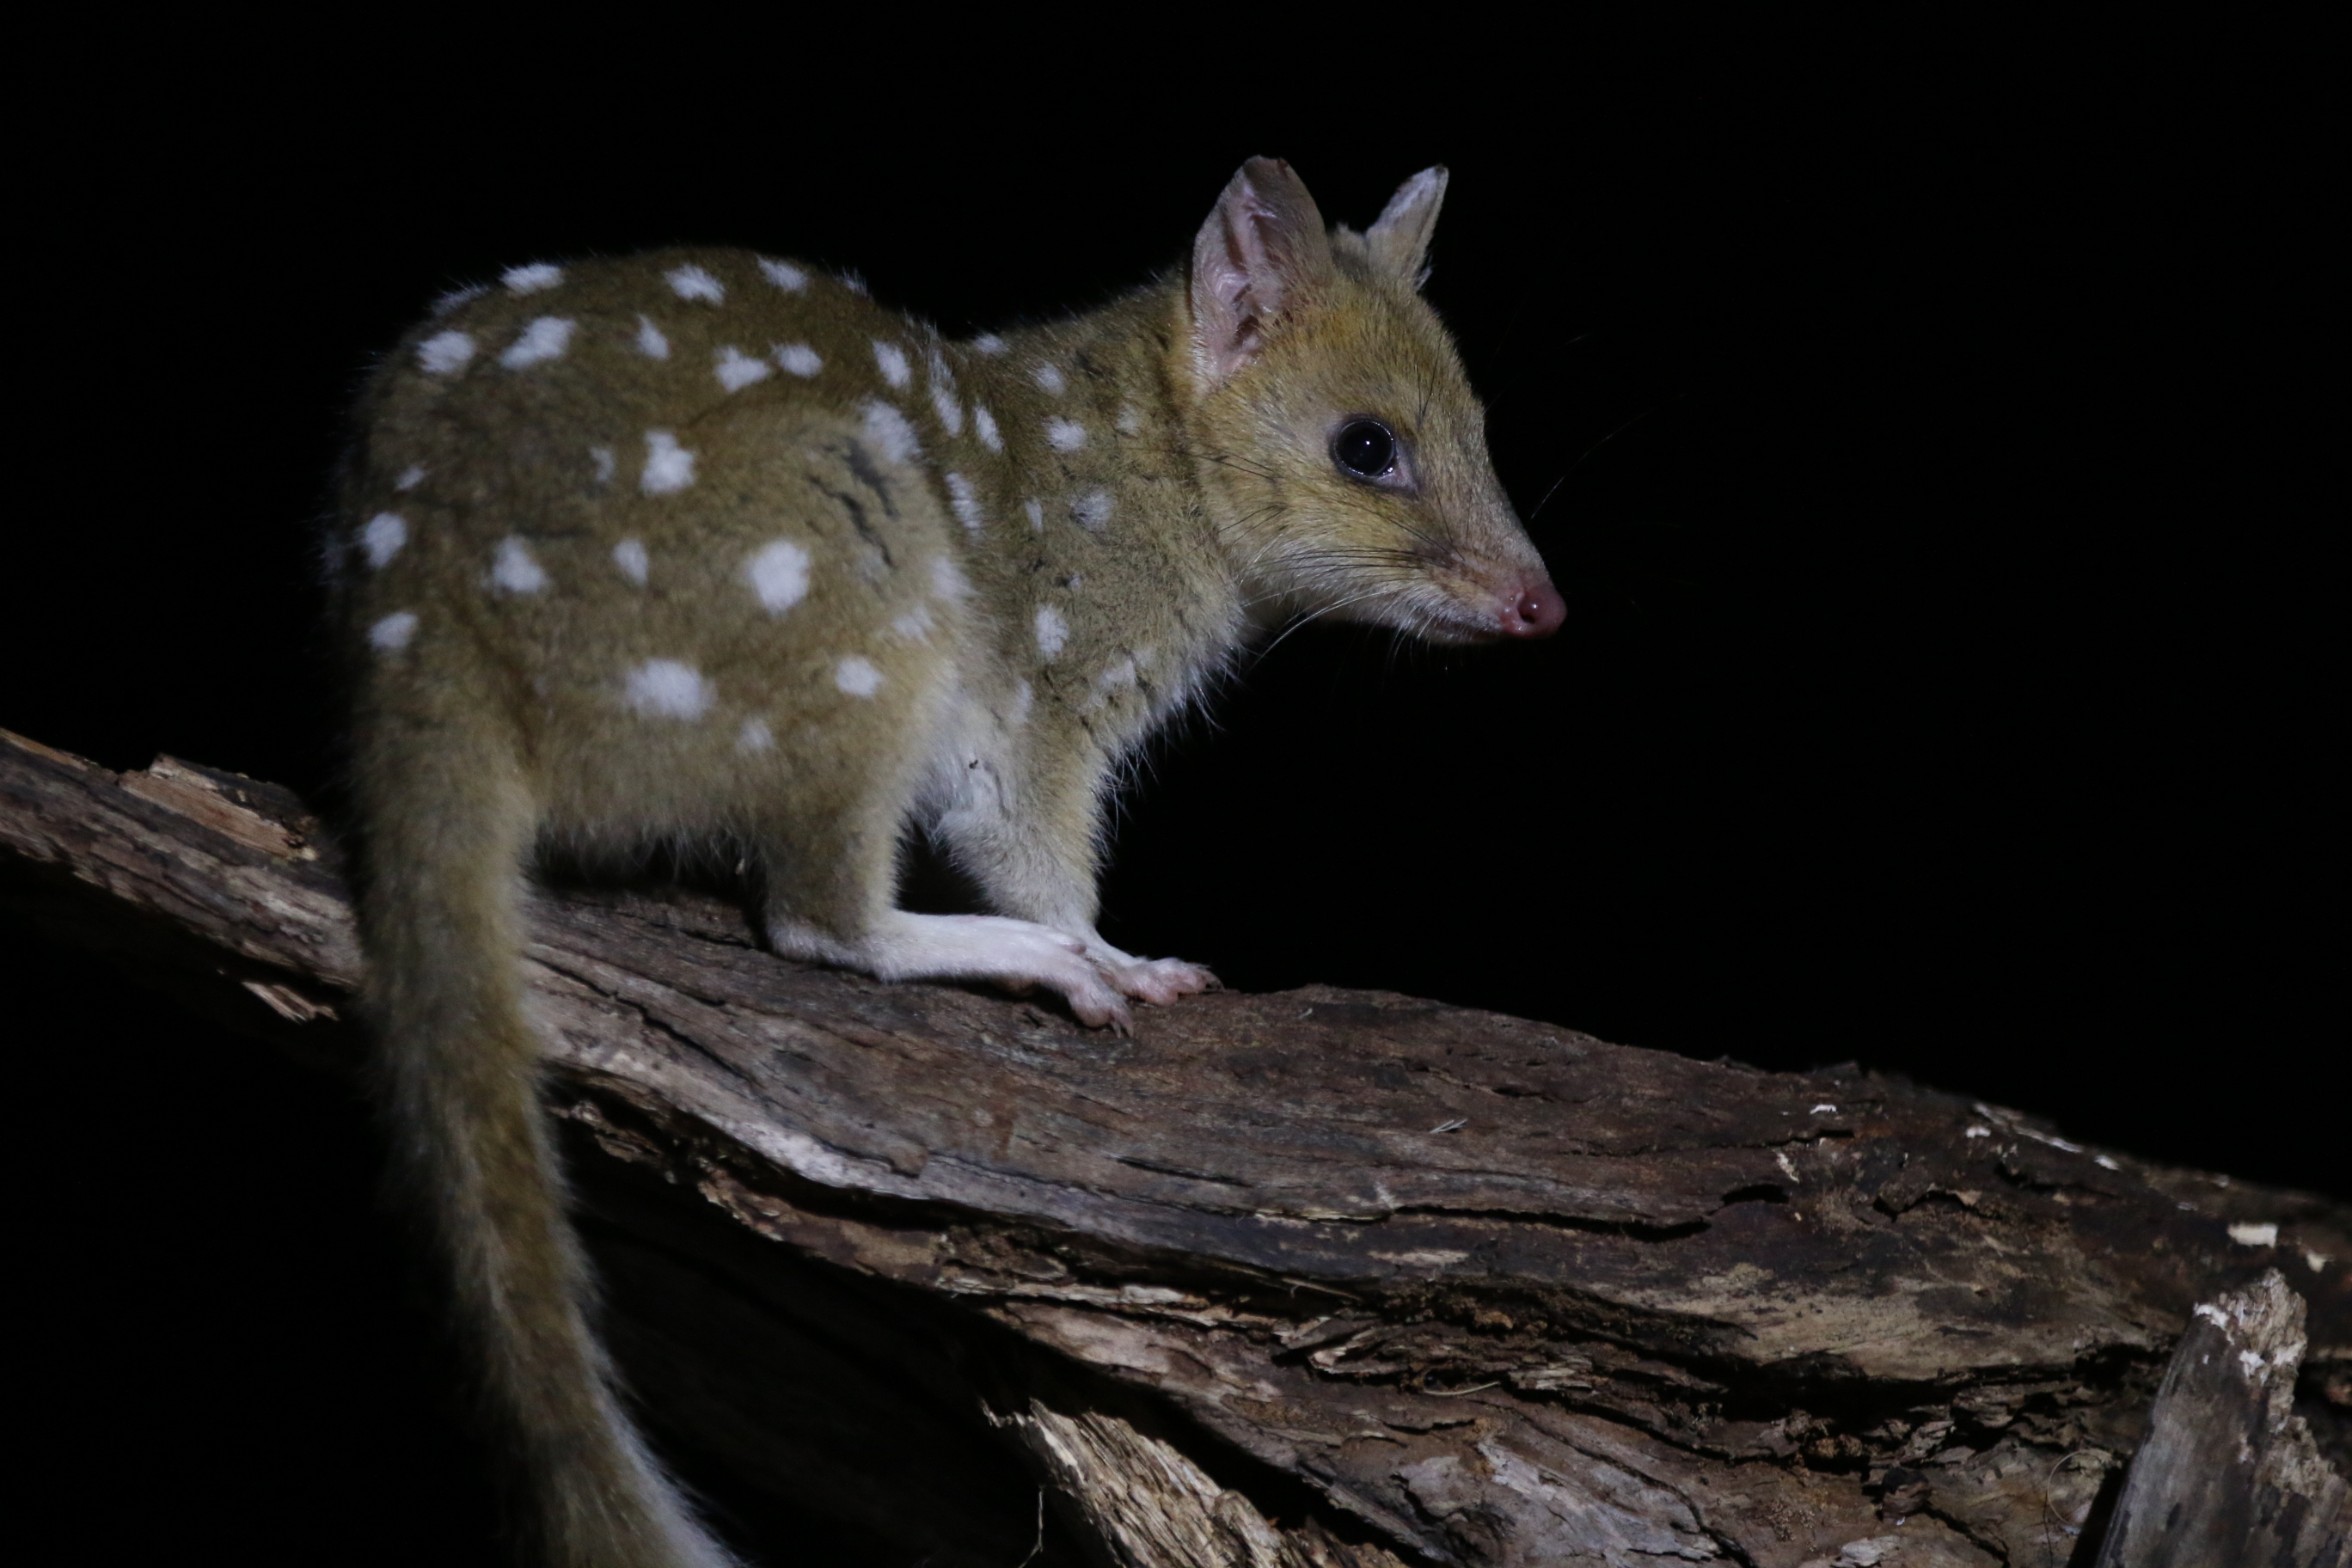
x=1932 y=450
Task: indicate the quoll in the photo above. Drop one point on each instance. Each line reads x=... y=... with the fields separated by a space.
x=706 y=546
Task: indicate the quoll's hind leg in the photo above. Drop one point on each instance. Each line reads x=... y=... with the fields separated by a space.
x=830 y=900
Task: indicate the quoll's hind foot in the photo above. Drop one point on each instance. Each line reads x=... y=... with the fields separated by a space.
x=1015 y=954
x=1158 y=981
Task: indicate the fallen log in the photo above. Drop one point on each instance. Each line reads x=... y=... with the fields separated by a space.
x=1324 y=1278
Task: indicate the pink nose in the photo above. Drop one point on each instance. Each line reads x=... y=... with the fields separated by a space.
x=1537 y=612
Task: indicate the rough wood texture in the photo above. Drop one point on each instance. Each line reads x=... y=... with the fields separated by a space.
x=2228 y=1472
x=1325 y=1278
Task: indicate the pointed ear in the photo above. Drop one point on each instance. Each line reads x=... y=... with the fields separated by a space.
x=1262 y=256
x=1400 y=240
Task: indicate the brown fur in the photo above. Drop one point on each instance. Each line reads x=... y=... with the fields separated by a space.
x=842 y=622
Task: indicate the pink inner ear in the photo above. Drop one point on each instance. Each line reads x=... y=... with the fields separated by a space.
x=1260 y=246
x=1257 y=286
x=1241 y=284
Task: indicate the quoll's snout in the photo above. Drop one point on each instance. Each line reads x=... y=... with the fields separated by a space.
x=1536 y=613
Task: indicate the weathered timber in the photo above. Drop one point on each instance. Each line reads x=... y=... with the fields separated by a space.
x=1324 y=1278
x=2228 y=1472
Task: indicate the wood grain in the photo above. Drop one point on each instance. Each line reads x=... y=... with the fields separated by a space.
x=1317 y=1278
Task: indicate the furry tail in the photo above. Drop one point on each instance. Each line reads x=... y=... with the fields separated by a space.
x=448 y=822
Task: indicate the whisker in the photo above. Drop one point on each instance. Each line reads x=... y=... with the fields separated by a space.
x=1547 y=498
x=1328 y=609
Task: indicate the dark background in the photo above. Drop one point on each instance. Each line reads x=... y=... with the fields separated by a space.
x=1931 y=429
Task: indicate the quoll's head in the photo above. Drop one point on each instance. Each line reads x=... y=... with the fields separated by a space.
x=1348 y=447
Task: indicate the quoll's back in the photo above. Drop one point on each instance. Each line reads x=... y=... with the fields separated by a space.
x=726 y=491
x=656 y=511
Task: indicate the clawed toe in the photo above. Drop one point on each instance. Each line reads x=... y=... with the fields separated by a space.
x=1159 y=981
x=1105 y=1012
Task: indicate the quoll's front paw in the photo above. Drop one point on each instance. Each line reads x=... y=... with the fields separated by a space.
x=1097 y=1007
x=1017 y=954
x=1030 y=955
x=1158 y=981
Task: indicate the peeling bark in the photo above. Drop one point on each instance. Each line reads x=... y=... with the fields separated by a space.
x=1327 y=1278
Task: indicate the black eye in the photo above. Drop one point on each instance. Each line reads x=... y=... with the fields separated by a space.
x=1365 y=447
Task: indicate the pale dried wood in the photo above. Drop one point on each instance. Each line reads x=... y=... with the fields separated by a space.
x=1321 y=1277
x=2228 y=1472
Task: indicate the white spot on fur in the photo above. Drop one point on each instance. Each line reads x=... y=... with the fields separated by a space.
x=1979 y=1133
x=857 y=676
x=530 y=280
x=1825 y=1109
x=1050 y=378
x=1036 y=511
x=950 y=412
x=1092 y=510
x=601 y=456
x=1130 y=420
x=385 y=532
x=691 y=282
x=669 y=468
x=799 y=359
x=514 y=570
x=1052 y=631
x=629 y=555
x=853 y=281
x=779 y=575
x=543 y=340
x=410 y=478
x=984 y=425
x=1116 y=677
x=946 y=579
x=1024 y=698
x=754 y=736
x=966 y=501
x=887 y=432
x=784 y=274
x=390 y=634
x=1064 y=435
x=651 y=342
x=738 y=369
x=457 y=296
x=2245 y=1233
x=664 y=687
x=915 y=625
x=893 y=361
x=988 y=343
x=2105 y=1161
x=444 y=352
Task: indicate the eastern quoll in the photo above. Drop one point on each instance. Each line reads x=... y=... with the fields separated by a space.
x=704 y=545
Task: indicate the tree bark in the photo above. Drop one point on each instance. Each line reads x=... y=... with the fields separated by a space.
x=1324 y=1277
